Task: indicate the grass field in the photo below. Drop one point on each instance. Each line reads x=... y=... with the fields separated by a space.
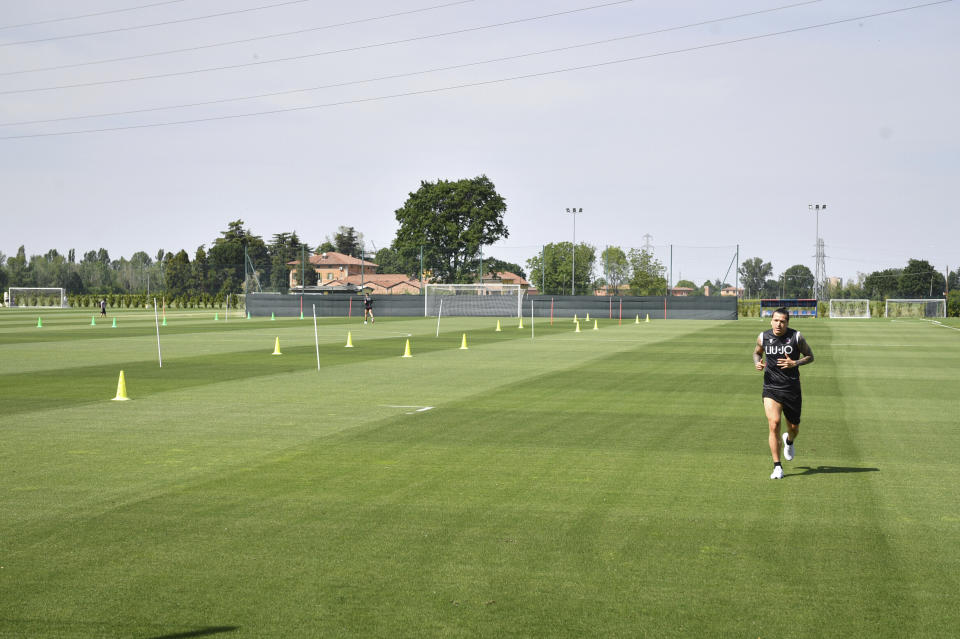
x=611 y=483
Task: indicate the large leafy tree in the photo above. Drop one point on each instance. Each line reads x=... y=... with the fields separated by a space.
x=616 y=267
x=450 y=222
x=797 y=282
x=920 y=280
x=347 y=241
x=551 y=269
x=754 y=273
x=494 y=265
x=649 y=274
x=285 y=248
x=882 y=284
x=18 y=269
x=178 y=274
x=226 y=256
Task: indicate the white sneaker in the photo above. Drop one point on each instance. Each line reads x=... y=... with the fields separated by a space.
x=777 y=472
x=787 y=449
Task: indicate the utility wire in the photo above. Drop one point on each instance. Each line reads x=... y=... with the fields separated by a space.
x=154 y=24
x=89 y=15
x=411 y=73
x=232 y=42
x=318 y=54
x=485 y=82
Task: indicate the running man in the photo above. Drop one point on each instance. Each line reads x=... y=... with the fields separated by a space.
x=367 y=308
x=774 y=355
x=103 y=308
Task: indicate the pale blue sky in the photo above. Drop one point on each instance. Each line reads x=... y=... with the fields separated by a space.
x=714 y=147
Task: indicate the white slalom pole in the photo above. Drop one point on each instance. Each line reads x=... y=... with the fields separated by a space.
x=439 y=313
x=316 y=338
x=156 y=318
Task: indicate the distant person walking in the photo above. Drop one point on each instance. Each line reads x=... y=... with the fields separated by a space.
x=367 y=308
x=103 y=308
x=774 y=355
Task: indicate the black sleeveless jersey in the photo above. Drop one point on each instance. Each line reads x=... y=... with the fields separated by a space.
x=774 y=348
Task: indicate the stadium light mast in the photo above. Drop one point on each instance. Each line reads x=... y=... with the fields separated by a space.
x=573 y=270
x=818 y=267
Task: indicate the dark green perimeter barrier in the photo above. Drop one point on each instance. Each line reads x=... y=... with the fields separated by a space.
x=334 y=305
x=627 y=308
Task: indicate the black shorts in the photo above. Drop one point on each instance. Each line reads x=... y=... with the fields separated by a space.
x=790 y=400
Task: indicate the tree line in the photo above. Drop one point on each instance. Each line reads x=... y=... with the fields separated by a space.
x=443 y=228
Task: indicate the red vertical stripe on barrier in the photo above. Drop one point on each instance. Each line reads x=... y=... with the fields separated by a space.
x=350 y=309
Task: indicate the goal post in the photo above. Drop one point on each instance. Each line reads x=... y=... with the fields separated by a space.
x=34 y=297
x=918 y=308
x=859 y=309
x=478 y=300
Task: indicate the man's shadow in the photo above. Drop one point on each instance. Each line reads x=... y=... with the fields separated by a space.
x=809 y=470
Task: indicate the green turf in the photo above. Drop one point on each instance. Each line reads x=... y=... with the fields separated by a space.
x=611 y=483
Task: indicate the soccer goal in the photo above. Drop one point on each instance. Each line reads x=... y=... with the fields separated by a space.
x=916 y=308
x=37 y=297
x=850 y=308
x=480 y=300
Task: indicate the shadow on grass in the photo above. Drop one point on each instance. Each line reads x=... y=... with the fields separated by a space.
x=808 y=470
x=201 y=632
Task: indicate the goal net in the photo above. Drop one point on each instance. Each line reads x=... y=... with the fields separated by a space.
x=37 y=297
x=481 y=300
x=916 y=308
x=850 y=308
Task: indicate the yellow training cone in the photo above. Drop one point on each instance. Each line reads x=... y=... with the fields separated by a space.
x=498 y=326
x=578 y=328
x=121 y=389
x=463 y=344
x=406 y=351
x=521 y=322
x=588 y=317
x=575 y=318
x=276 y=347
x=638 y=320
x=648 y=317
x=595 y=325
x=349 y=343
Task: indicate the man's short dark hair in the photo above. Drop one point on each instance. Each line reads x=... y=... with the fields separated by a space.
x=783 y=311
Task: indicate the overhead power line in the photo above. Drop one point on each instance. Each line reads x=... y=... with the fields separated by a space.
x=154 y=24
x=89 y=15
x=233 y=42
x=317 y=54
x=411 y=73
x=486 y=82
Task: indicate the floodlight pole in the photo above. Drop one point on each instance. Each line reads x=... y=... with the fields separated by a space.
x=816 y=208
x=573 y=270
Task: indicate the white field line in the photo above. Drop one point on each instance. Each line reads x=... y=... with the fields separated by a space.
x=419 y=409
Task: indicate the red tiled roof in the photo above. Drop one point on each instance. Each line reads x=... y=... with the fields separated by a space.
x=332 y=258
